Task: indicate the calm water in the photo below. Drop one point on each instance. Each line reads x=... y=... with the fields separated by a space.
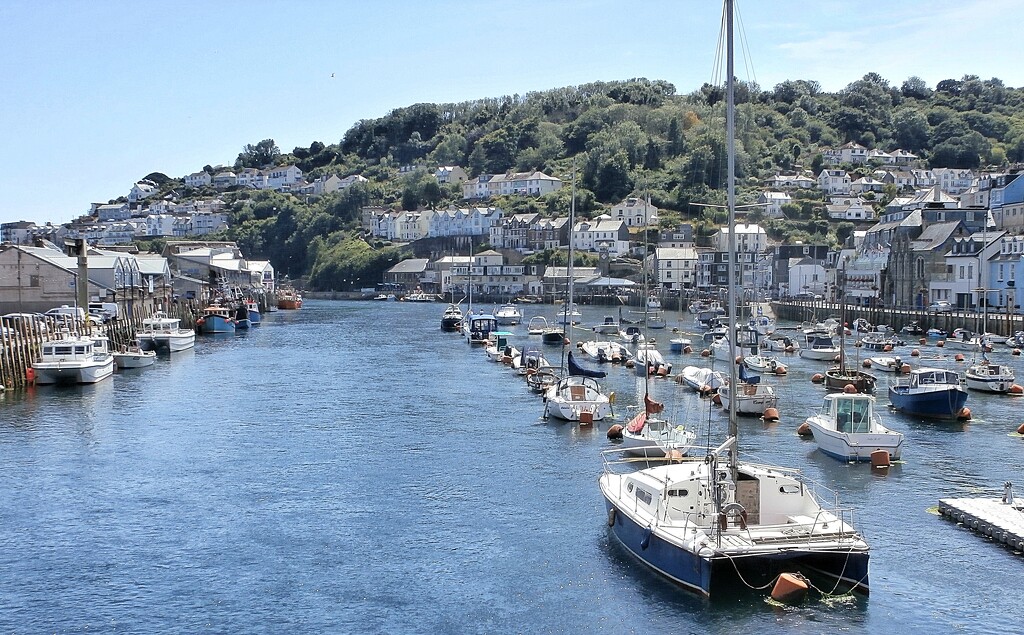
x=349 y=468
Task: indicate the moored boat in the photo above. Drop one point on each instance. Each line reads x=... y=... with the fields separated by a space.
x=73 y=359
x=508 y=314
x=163 y=333
x=215 y=319
x=929 y=392
x=986 y=376
x=451 y=318
x=846 y=427
x=134 y=357
x=289 y=299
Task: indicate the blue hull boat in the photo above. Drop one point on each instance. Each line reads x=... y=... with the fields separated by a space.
x=934 y=393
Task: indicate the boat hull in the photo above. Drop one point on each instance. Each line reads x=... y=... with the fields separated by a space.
x=135 y=360
x=945 y=403
x=70 y=373
x=855 y=446
x=450 y=325
x=216 y=324
x=167 y=343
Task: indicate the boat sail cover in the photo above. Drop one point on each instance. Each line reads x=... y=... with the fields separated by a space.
x=578 y=371
x=749 y=378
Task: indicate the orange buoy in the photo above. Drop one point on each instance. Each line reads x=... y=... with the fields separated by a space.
x=923 y=340
x=817 y=378
x=887 y=348
x=687 y=349
x=780 y=370
x=614 y=432
x=717 y=399
x=940 y=343
x=905 y=369
x=880 y=459
x=958 y=357
x=674 y=455
x=1016 y=351
x=566 y=341
x=630 y=363
x=705 y=353
x=662 y=371
x=850 y=389
x=739 y=359
x=964 y=414
x=30 y=375
x=790 y=349
x=1020 y=429
x=915 y=353
x=804 y=430
x=790 y=588
x=1016 y=389
x=771 y=414
x=866 y=363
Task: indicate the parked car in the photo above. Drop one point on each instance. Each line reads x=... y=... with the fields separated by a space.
x=25 y=322
x=940 y=306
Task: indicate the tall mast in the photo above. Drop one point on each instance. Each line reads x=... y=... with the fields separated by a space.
x=568 y=307
x=730 y=142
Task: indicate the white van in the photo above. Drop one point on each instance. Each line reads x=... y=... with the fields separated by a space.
x=109 y=308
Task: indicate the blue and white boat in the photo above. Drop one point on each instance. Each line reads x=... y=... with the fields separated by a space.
x=216 y=319
x=254 y=311
x=929 y=392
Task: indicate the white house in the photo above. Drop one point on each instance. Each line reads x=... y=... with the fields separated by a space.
x=772 y=203
x=750 y=238
x=851 y=208
x=250 y=177
x=635 y=212
x=601 y=234
x=834 y=182
x=866 y=184
x=952 y=180
x=111 y=211
x=513 y=183
x=791 y=181
x=450 y=174
x=806 y=275
x=847 y=153
x=283 y=177
x=141 y=190
x=224 y=179
x=198 y=179
x=675 y=268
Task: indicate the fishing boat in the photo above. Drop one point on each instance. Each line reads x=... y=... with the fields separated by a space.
x=879 y=342
x=508 y=314
x=577 y=396
x=929 y=392
x=847 y=428
x=134 y=357
x=716 y=522
x=216 y=319
x=987 y=376
x=163 y=333
x=73 y=359
x=242 y=321
x=963 y=339
x=418 y=295
x=289 y=299
x=451 y=319
x=253 y=308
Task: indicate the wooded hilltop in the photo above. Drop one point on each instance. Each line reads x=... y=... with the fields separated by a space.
x=632 y=137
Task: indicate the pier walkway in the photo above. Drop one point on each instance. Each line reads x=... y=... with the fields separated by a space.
x=1002 y=519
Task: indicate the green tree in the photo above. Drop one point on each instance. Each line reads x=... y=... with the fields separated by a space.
x=260 y=155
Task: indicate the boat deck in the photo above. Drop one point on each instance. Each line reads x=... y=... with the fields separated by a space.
x=1002 y=521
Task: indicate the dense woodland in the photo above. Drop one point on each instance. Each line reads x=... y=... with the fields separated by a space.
x=628 y=137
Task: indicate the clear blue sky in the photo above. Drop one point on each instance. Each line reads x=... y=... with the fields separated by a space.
x=97 y=93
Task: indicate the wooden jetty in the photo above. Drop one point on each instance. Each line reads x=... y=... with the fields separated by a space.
x=1002 y=519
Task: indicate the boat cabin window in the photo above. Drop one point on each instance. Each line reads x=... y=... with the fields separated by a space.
x=47 y=350
x=643 y=495
x=62 y=350
x=80 y=350
x=852 y=415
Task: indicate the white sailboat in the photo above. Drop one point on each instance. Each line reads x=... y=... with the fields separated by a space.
x=985 y=375
x=707 y=523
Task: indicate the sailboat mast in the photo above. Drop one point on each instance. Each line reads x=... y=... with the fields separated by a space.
x=730 y=142
x=568 y=307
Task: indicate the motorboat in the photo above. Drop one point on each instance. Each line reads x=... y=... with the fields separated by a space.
x=679 y=343
x=700 y=379
x=986 y=376
x=73 y=359
x=537 y=325
x=418 y=295
x=820 y=346
x=752 y=397
x=530 y=360
x=650 y=436
x=568 y=314
x=498 y=348
x=962 y=339
x=508 y=315
x=290 y=299
x=879 y=342
x=134 y=357
x=913 y=328
x=763 y=364
x=847 y=428
x=632 y=333
x=650 y=361
x=780 y=344
x=746 y=344
x=655 y=320
x=577 y=396
x=216 y=319
x=451 y=319
x=929 y=392
x=841 y=375
x=553 y=336
x=606 y=351
x=477 y=328
x=610 y=326
x=653 y=303
x=1016 y=340
x=888 y=364
x=763 y=324
x=164 y=333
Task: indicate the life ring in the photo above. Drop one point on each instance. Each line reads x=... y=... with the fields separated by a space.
x=611 y=517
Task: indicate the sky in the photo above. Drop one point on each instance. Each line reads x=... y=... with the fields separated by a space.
x=96 y=94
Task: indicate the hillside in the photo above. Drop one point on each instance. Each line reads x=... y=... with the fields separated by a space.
x=627 y=137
